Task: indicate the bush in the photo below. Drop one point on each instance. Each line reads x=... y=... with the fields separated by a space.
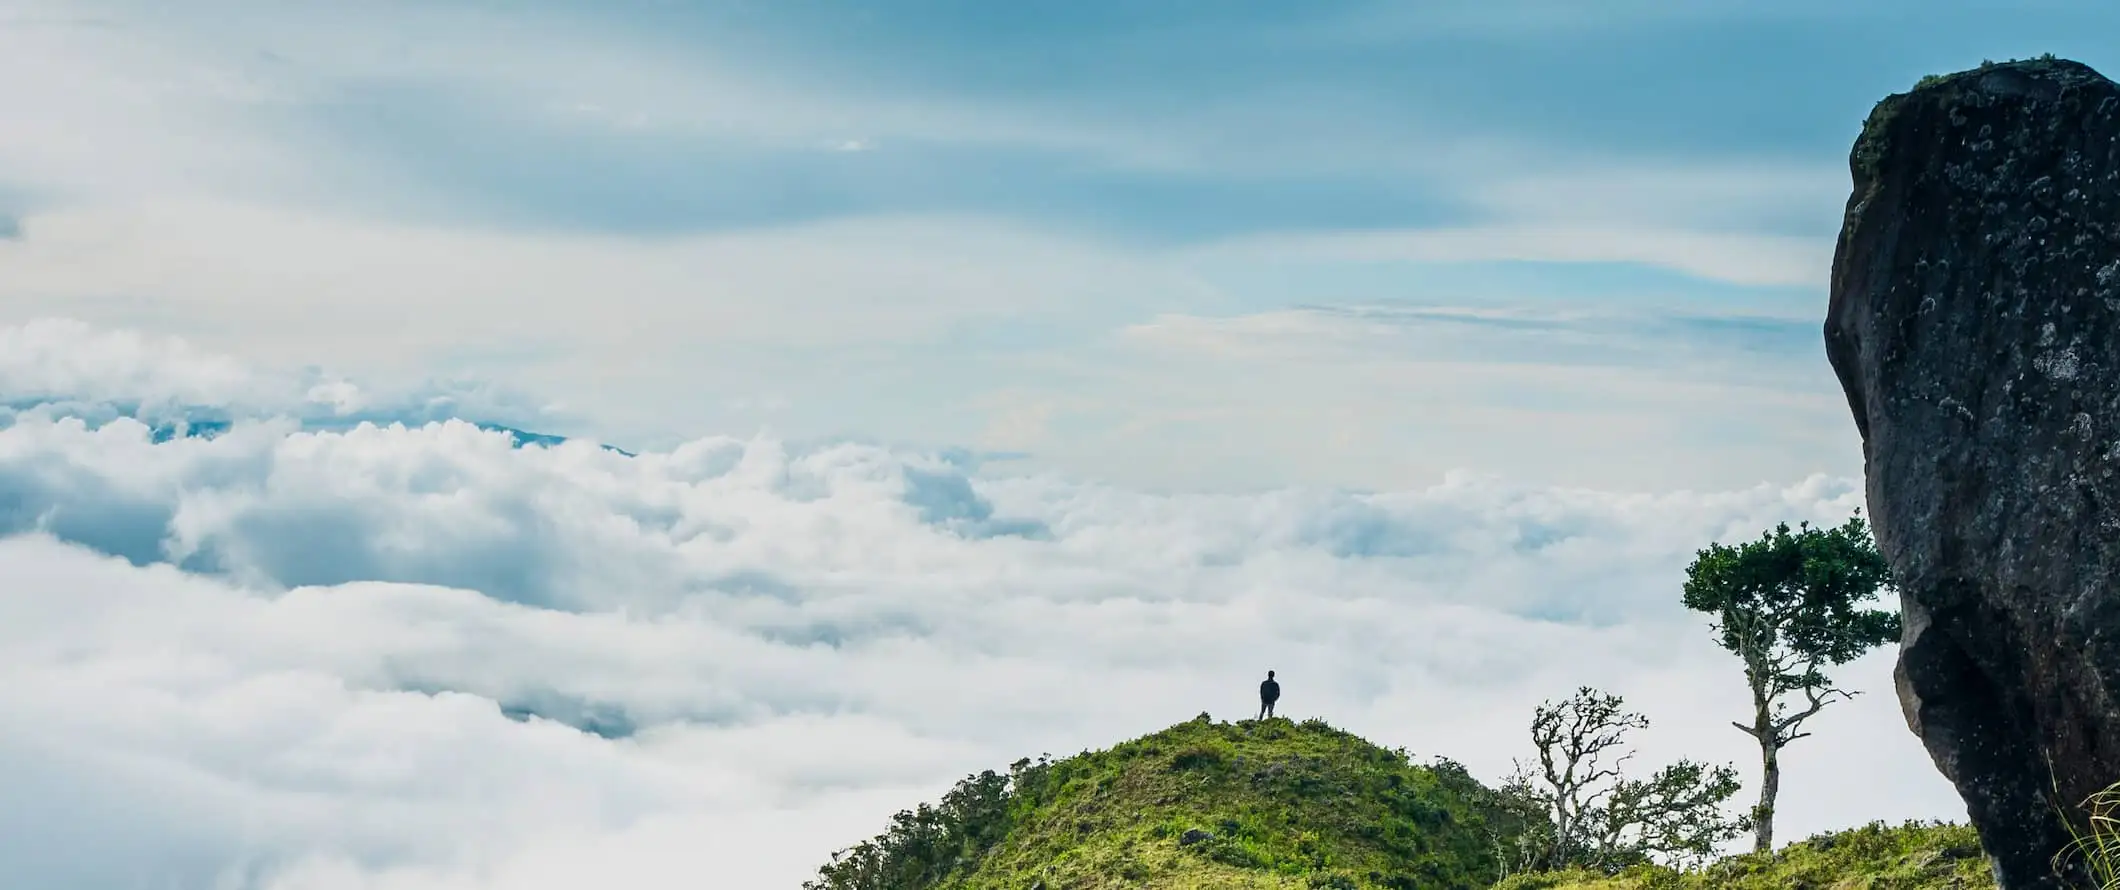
x=929 y=844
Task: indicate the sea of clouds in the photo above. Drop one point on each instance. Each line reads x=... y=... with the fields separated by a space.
x=352 y=639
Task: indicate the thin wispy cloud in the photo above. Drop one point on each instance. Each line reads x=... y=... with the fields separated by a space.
x=1761 y=346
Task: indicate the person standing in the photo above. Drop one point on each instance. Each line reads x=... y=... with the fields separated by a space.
x=1269 y=692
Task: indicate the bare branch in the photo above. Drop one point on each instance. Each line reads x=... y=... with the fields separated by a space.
x=1817 y=699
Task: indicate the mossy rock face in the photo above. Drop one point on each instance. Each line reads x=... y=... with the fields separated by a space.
x=1914 y=856
x=1255 y=804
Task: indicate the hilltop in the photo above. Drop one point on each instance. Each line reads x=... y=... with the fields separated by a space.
x=1277 y=804
x=1254 y=804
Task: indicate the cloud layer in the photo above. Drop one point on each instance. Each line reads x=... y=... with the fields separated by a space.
x=423 y=657
x=727 y=217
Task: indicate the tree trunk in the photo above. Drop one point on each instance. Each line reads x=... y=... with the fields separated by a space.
x=1764 y=732
x=1562 y=826
x=1769 y=786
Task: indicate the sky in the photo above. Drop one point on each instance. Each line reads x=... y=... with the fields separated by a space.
x=991 y=379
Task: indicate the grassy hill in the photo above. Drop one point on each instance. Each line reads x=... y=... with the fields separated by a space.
x=1276 y=804
x=1914 y=856
x=1269 y=804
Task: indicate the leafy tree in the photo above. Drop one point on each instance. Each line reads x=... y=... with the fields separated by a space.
x=1790 y=605
x=1675 y=817
x=929 y=844
x=1595 y=816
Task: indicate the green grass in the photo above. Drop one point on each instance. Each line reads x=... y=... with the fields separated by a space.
x=1291 y=806
x=1914 y=856
x=1283 y=805
x=2097 y=842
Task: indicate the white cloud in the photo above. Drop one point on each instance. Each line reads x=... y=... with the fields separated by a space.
x=60 y=366
x=648 y=339
x=1757 y=349
x=1699 y=195
x=311 y=284
x=787 y=642
x=193 y=180
x=62 y=357
x=1402 y=394
x=216 y=95
x=784 y=643
x=217 y=89
x=139 y=118
x=1756 y=224
x=1741 y=257
x=858 y=326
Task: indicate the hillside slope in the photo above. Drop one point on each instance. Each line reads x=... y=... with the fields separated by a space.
x=1270 y=804
x=1914 y=856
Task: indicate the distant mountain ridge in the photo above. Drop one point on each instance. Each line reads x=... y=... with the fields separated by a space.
x=209 y=423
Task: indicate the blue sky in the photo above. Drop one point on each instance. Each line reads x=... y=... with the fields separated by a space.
x=938 y=222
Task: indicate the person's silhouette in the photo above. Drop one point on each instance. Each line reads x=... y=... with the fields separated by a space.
x=1269 y=692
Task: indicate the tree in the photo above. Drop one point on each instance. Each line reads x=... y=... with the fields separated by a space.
x=1789 y=605
x=928 y=845
x=1675 y=816
x=1513 y=816
x=1599 y=818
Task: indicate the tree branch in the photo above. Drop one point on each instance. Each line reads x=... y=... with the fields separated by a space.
x=1818 y=698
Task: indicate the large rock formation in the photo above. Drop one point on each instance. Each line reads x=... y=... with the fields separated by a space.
x=1975 y=324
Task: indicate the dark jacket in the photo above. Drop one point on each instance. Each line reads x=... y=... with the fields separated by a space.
x=1269 y=691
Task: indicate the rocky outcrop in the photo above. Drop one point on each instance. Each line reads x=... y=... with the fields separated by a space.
x=1975 y=325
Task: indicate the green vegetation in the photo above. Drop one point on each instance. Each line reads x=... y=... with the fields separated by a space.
x=1789 y=606
x=2097 y=841
x=1929 y=80
x=1254 y=804
x=1914 y=856
x=1276 y=804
